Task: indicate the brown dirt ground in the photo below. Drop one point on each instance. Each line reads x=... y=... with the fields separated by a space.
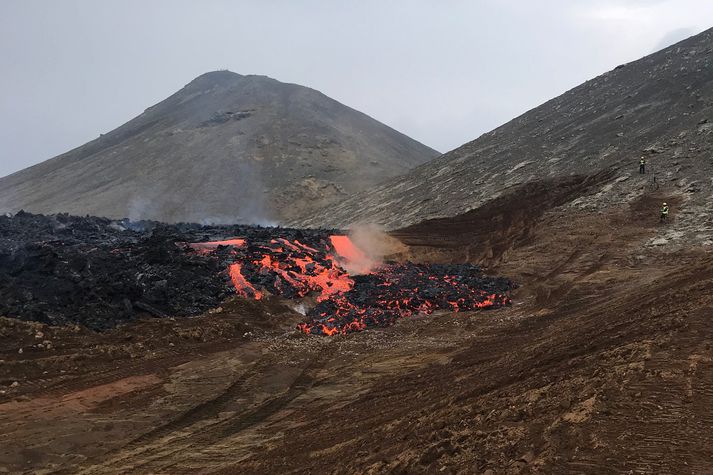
x=602 y=365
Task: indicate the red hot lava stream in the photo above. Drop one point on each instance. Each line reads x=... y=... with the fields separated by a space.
x=348 y=303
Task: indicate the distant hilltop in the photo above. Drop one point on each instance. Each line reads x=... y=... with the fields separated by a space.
x=659 y=107
x=225 y=148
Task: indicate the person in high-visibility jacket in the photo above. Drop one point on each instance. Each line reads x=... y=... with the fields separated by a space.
x=664 y=212
x=642 y=165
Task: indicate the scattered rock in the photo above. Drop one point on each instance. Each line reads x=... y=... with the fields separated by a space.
x=528 y=457
x=653 y=149
x=430 y=455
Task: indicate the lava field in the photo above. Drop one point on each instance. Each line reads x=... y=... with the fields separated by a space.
x=97 y=272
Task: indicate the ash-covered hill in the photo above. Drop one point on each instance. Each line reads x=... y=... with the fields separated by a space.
x=660 y=106
x=225 y=148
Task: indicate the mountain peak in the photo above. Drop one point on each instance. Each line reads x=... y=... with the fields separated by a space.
x=225 y=148
x=221 y=77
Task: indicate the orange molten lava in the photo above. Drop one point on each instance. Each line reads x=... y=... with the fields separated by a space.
x=295 y=264
x=242 y=286
x=346 y=304
x=350 y=255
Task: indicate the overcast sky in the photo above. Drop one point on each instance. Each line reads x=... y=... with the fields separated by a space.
x=441 y=71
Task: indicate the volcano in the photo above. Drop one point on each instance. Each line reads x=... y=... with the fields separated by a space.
x=659 y=107
x=225 y=148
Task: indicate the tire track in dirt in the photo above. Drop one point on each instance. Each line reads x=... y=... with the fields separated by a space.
x=156 y=440
x=299 y=386
x=201 y=412
x=133 y=367
x=152 y=450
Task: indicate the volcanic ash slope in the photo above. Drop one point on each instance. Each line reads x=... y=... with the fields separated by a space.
x=660 y=106
x=225 y=148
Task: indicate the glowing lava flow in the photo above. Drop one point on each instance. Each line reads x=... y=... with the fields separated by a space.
x=350 y=256
x=242 y=286
x=394 y=291
x=282 y=267
x=349 y=303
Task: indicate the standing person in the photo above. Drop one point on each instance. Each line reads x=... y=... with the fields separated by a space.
x=664 y=213
x=642 y=165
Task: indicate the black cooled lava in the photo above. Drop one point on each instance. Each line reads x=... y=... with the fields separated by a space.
x=99 y=273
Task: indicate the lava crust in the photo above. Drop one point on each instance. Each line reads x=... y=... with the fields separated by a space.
x=100 y=273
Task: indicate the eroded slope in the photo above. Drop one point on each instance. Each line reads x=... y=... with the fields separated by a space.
x=660 y=107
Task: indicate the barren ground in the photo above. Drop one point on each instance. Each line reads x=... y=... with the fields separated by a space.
x=602 y=364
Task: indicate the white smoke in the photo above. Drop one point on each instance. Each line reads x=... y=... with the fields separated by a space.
x=137 y=208
x=374 y=245
x=245 y=203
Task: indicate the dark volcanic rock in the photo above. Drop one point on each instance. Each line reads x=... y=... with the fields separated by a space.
x=101 y=278
x=99 y=273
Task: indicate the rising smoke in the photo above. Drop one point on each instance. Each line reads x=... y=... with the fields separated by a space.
x=250 y=204
x=374 y=245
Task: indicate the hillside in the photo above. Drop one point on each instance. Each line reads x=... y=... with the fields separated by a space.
x=601 y=363
x=660 y=106
x=224 y=148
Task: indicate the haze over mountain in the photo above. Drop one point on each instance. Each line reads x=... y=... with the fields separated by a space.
x=224 y=148
x=660 y=106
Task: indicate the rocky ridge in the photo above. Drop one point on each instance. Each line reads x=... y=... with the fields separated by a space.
x=659 y=107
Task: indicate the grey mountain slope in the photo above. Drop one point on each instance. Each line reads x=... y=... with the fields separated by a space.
x=657 y=106
x=226 y=147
